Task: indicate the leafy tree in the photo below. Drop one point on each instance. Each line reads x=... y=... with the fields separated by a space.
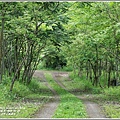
x=27 y=30
x=95 y=46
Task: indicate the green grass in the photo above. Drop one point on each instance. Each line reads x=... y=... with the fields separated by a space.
x=64 y=68
x=19 y=111
x=112 y=93
x=112 y=111
x=70 y=106
x=101 y=96
x=112 y=96
x=81 y=85
x=24 y=100
x=67 y=68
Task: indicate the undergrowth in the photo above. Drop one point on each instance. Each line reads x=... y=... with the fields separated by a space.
x=112 y=111
x=18 y=103
x=81 y=85
x=101 y=95
x=112 y=93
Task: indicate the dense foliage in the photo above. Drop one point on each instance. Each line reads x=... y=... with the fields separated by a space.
x=84 y=35
x=26 y=30
x=95 y=32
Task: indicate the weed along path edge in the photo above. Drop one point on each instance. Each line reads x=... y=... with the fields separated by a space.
x=56 y=107
x=93 y=109
x=49 y=108
x=70 y=106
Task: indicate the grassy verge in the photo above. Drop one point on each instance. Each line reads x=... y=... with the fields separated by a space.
x=80 y=85
x=112 y=110
x=70 y=106
x=24 y=100
x=64 y=68
x=109 y=98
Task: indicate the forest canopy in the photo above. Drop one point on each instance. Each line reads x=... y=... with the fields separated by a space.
x=84 y=35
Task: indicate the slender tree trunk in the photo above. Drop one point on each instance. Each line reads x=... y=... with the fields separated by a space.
x=90 y=71
x=0 y=56
x=1 y=43
x=109 y=76
x=16 y=73
x=96 y=67
x=87 y=70
x=106 y=69
x=117 y=61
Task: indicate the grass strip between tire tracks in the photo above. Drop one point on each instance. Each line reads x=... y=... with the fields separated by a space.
x=70 y=106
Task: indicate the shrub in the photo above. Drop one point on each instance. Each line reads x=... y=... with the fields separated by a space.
x=34 y=86
x=21 y=90
x=96 y=90
x=83 y=85
x=112 y=92
x=67 y=68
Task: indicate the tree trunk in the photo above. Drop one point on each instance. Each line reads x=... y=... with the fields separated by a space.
x=109 y=76
x=1 y=43
x=0 y=56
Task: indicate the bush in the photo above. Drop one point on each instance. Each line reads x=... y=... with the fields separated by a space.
x=96 y=90
x=34 y=86
x=6 y=80
x=21 y=90
x=83 y=85
x=112 y=92
x=67 y=68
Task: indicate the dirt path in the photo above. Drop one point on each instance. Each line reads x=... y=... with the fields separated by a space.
x=47 y=111
x=92 y=108
x=49 y=108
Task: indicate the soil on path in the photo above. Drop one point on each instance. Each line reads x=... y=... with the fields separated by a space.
x=48 y=109
x=92 y=108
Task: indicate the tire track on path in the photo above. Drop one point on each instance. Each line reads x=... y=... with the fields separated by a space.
x=48 y=109
x=92 y=108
